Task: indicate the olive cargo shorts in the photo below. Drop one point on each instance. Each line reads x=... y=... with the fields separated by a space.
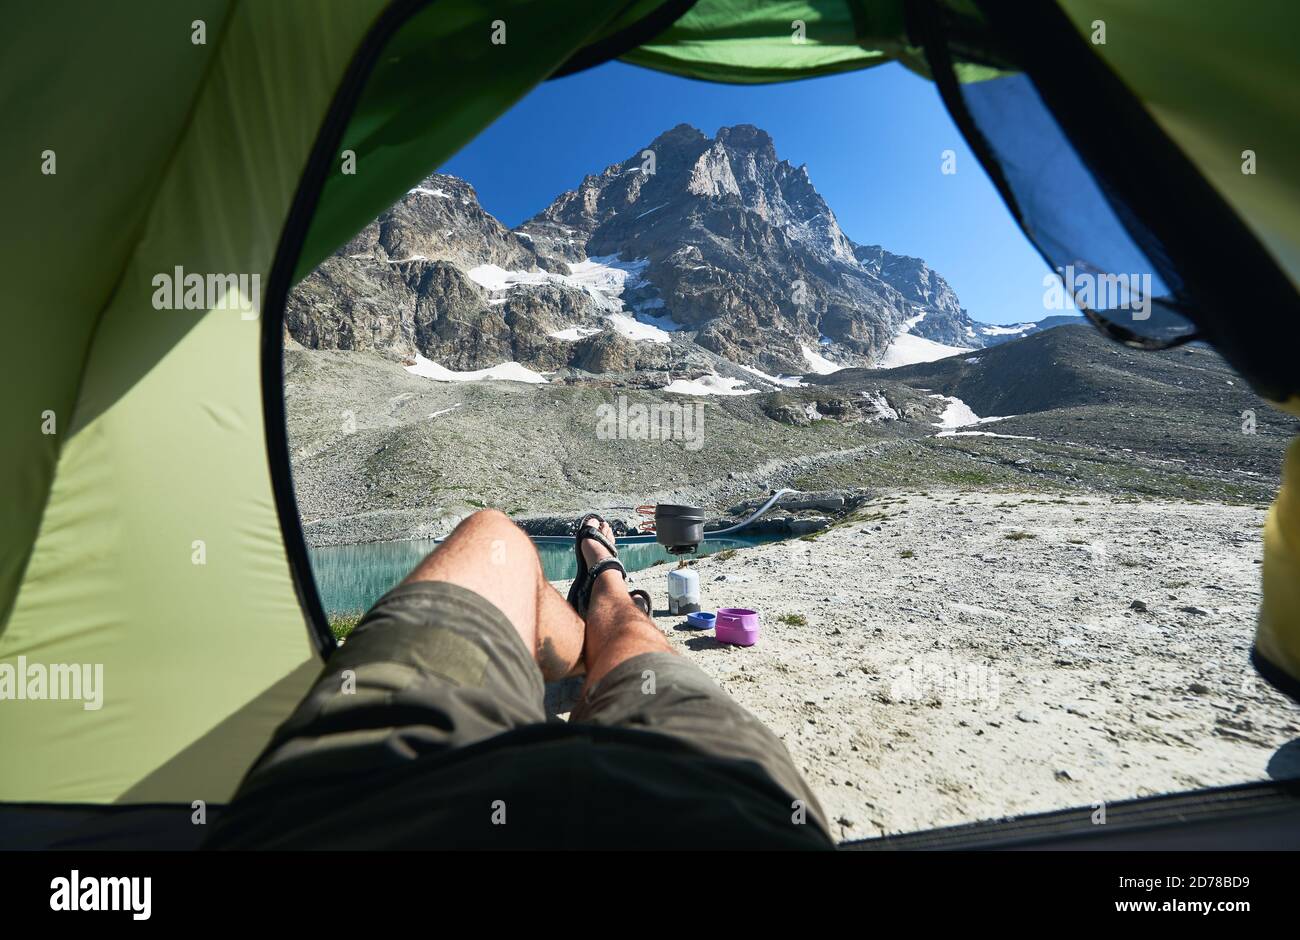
x=434 y=667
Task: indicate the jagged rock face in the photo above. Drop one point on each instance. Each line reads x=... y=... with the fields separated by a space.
x=911 y=277
x=343 y=306
x=401 y=287
x=610 y=352
x=733 y=246
x=743 y=249
x=441 y=220
x=456 y=328
x=945 y=320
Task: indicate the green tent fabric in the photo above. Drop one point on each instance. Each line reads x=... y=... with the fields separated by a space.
x=145 y=535
x=167 y=154
x=1218 y=84
x=140 y=527
x=735 y=41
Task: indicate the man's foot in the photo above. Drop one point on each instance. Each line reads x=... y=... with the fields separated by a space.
x=594 y=543
x=594 y=552
x=617 y=622
x=593 y=546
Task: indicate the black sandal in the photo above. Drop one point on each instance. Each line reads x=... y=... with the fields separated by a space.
x=585 y=579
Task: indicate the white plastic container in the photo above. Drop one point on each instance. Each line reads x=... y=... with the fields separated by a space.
x=683 y=591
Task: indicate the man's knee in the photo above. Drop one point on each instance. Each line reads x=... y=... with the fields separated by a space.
x=484 y=519
x=490 y=523
x=506 y=543
x=488 y=517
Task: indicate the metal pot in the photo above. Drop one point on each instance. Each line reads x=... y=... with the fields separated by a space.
x=680 y=529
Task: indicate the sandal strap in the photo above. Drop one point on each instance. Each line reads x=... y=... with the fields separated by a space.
x=596 y=536
x=576 y=599
x=580 y=591
x=601 y=567
x=583 y=596
x=642 y=593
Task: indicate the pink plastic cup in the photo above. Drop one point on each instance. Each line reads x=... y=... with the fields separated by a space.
x=736 y=625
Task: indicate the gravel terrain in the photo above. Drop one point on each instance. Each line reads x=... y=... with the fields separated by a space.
x=380 y=453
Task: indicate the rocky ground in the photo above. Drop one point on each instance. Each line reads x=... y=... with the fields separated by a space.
x=380 y=453
x=947 y=656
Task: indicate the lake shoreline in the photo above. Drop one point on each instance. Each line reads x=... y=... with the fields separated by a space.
x=350 y=578
x=796 y=514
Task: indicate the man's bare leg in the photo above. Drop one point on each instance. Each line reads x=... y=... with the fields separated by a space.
x=491 y=556
x=617 y=630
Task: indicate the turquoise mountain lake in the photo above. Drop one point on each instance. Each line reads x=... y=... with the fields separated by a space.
x=352 y=577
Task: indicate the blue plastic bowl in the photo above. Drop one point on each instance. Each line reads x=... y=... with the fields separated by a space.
x=701 y=620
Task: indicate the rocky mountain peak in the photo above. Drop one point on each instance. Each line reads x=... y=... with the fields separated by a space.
x=683 y=136
x=712 y=175
x=716 y=252
x=747 y=137
x=440 y=219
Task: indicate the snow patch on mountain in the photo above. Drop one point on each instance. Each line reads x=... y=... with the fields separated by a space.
x=607 y=274
x=505 y=372
x=817 y=362
x=574 y=333
x=1010 y=437
x=637 y=329
x=711 y=384
x=884 y=411
x=788 y=381
x=1013 y=330
x=494 y=278
x=907 y=349
x=603 y=278
x=665 y=324
x=958 y=414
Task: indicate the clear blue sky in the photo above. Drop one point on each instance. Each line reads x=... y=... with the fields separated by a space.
x=873 y=141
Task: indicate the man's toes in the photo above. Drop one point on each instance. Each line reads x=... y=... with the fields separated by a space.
x=592 y=550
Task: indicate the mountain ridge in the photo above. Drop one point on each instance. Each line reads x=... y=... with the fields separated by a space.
x=696 y=255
